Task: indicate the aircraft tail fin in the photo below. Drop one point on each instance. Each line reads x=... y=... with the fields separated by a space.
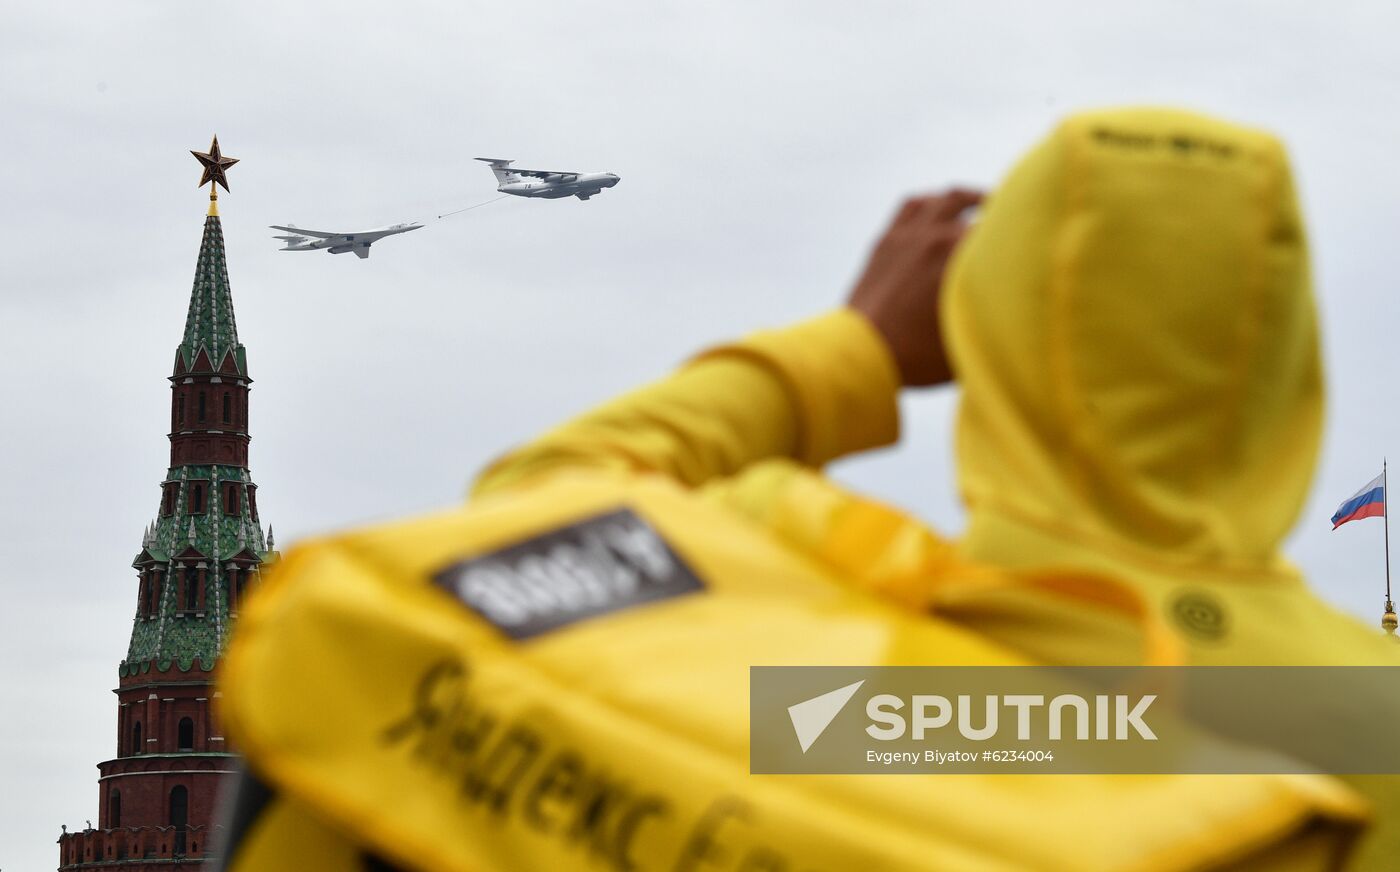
x=501 y=168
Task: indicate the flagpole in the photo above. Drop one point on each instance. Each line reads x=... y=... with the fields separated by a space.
x=1385 y=512
x=1388 y=620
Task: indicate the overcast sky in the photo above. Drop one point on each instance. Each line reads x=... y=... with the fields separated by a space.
x=761 y=146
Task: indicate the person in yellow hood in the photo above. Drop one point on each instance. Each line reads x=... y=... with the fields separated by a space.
x=1131 y=323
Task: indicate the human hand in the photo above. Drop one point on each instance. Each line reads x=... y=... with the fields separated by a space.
x=899 y=290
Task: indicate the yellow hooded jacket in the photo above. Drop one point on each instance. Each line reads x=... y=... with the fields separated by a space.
x=412 y=730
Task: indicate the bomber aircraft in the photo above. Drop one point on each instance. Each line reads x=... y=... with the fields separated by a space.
x=550 y=184
x=337 y=242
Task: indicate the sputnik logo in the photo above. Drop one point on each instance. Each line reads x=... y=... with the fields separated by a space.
x=810 y=718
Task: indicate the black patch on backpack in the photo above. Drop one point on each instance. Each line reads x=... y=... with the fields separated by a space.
x=603 y=564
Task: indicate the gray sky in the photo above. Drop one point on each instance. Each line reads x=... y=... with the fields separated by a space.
x=761 y=145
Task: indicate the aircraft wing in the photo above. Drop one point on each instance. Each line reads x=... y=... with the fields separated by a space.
x=370 y=235
x=542 y=174
x=301 y=231
x=362 y=253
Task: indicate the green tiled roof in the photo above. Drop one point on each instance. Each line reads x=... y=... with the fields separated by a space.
x=210 y=324
x=186 y=638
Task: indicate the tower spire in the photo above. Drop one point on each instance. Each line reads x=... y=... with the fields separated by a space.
x=210 y=325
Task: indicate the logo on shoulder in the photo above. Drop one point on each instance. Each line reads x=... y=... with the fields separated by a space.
x=603 y=564
x=1200 y=615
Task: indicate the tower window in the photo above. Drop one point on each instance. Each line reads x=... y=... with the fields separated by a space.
x=136 y=738
x=201 y=407
x=230 y=499
x=197 y=498
x=180 y=410
x=186 y=734
x=191 y=589
x=228 y=408
x=152 y=592
x=167 y=503
x=253 y=501
x=114 y=810
x=179 y=815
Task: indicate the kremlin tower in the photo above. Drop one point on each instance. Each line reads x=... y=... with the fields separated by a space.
x=198 y=558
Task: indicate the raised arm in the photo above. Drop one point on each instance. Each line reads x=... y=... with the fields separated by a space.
x=811 y=392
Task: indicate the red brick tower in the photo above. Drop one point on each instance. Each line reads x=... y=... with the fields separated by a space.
x=198 y=557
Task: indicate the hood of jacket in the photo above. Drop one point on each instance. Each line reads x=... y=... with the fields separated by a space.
x=1132 y=324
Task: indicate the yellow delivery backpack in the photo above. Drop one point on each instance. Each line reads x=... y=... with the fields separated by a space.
x=557 y=678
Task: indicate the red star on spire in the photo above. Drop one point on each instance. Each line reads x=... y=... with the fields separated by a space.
x=214 y=164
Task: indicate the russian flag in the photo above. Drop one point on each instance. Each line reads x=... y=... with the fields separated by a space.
x=1369 y=502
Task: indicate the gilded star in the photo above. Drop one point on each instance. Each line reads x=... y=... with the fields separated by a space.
x=214 y=164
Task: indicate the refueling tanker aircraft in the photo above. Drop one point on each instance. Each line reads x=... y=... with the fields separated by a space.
x=357 y=241
x=550 y=184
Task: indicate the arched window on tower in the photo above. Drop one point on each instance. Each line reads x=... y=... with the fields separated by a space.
x=231 y=498
x=179 y=815
x=197 y=499
x=153 y=592
x=136 y=738
x=191 y=589
x=186 y=735
x=201 y=406
x=114 y=809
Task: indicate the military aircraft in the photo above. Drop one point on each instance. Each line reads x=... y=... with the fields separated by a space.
x=338 y=243
x=550 y=184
